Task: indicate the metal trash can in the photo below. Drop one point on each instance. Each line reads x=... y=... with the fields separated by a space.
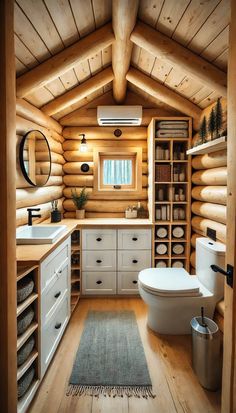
x=206 y=352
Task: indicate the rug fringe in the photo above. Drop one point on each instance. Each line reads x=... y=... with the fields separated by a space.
x=110 y=391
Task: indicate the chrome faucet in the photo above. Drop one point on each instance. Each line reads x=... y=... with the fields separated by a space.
x=30 y=215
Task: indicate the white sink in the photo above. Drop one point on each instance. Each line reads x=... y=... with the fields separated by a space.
x=39 y=234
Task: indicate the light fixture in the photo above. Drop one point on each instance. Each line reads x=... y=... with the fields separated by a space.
x=83 y=144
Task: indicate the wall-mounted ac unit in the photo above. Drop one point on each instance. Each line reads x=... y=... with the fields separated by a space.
x=119 y=115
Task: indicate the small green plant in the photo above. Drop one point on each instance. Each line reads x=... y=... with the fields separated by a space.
x=212 y=124
x=218 y=117
x=79 y=199
x=203 y=130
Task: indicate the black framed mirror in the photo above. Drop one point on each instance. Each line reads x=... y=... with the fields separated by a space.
x=35 y=158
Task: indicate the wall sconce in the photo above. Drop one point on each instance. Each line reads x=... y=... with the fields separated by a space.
x=83 y=144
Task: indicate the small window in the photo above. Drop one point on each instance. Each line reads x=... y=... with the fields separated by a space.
x=117 y=171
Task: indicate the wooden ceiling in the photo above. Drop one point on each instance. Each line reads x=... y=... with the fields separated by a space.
x=44 y=28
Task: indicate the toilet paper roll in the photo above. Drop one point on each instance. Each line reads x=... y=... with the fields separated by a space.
x=177 y=264
x=178 y=232
x=162 y=232
x=178 y=249
x=161 y=249
x=161 y=264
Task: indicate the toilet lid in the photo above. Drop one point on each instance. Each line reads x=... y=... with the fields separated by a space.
x=169 y=281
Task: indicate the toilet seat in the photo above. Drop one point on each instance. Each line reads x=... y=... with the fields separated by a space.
x=169 y=282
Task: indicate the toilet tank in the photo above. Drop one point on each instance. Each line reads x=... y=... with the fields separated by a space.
x=210 y=252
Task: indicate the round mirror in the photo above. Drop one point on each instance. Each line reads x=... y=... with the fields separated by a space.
x=35 y=158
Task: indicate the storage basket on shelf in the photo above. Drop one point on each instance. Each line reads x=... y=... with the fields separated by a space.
x=25 y=351
x=24 y=289
x=25 y=382
x=24 y=320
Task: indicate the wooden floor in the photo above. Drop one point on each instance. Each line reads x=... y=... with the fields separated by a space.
x=169 y=361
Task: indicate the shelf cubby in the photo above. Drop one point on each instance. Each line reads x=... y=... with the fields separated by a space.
x=75 y=268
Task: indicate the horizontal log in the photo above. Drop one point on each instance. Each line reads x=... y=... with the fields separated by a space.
x=27 y=111
x=24 y=125
x=53 y=145
x=96 y=215
x=55 y=157
x=193 y=259
x=45 y=210
x=214 y=212
x=34 y=196
x=88 y=117
x=73 y=145
x=210 y=160
x=130 y=196
x=43 y=167
x=214 y=176
x=79 y=92
x=76 y=156
x=65 y=60
x=75 y=168
x=194 y=238
x=213 y=194
x=219 y=320
x=101 y=206
x=200 y=225
x=107 y=132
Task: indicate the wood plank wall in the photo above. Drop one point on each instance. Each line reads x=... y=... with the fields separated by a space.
x=98 y=205
x=209 y=191
x=29 y=118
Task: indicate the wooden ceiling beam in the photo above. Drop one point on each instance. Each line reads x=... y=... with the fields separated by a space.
x=124 y=14
x=79 y=92
x=64 y=60
x=166 y=95
x=165 y=48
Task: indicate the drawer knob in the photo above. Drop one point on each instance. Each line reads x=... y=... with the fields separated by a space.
x=57 y=294
x=135 y=261
x=57 y=326
x=98 y=239
x=99 y=282
x=99 y=261
x=60 y=271
x=135 y=282
x=134 y=239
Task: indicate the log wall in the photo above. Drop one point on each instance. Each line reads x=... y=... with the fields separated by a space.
x=209 y=192
x=29 y=118
x=100 y=206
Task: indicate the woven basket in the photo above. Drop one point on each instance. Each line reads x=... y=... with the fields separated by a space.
x=24 y=320
x=25 y=382
x=24 y=289
x=25 y=351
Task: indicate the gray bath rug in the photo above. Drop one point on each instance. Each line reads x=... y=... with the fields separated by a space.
x=110 y=360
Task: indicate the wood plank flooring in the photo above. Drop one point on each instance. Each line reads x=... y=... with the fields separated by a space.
x=169 y=360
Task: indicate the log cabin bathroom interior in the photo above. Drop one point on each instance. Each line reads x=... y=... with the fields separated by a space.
x=117 y=166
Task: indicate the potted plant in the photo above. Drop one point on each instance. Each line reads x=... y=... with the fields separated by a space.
x=79 y=201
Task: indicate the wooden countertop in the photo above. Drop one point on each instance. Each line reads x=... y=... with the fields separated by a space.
x=34 y=254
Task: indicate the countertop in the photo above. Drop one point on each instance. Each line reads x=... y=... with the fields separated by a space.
x=34 y=254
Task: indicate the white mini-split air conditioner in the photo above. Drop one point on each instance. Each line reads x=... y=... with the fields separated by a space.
x=119 y=115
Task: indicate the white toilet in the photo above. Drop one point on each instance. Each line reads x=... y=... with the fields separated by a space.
x=174 y=297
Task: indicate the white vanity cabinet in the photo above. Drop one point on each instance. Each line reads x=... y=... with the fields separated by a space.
x=112 y=259
x=55 y=300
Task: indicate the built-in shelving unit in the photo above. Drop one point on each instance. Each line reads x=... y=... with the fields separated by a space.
x=28 y=355
x=170 y=193
x=75 y=268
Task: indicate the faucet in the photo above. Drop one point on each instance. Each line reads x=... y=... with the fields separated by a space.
x=30 y=215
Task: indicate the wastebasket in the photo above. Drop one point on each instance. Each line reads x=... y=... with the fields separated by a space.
x=206 y=352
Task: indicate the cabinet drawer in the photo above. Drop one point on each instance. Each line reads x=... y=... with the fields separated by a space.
x=51 y=266
x=52 y=333
x=127 y=283
x=96 y=239
x=134 y=260
x=99 y=260
x=99 y=283
x=52 y=296
x=131 y=239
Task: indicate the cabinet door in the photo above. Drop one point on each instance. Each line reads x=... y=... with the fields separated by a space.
x=134 y=239
x=134 y=260
x=127 y=283
x=99 y=283
x=99 y=260
x=99 y=239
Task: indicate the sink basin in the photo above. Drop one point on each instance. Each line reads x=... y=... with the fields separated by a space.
x=39 y=234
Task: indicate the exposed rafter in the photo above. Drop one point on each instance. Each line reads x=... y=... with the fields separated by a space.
x=65 y=60
x=159 y=91
x=124 y=14
x=195 y=66
x=79 y=92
